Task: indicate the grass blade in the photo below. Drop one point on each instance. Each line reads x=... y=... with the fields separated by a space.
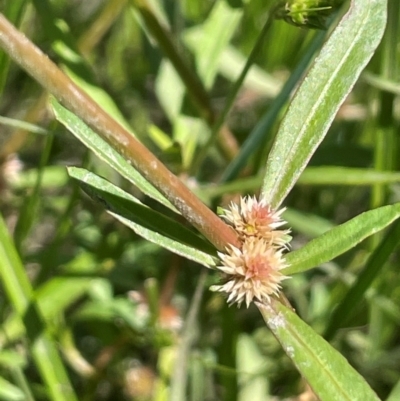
x=21 y=295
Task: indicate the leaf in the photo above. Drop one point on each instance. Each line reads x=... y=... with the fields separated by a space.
x=170 y=90
x=341 y=238
x=346 y=176
x=147 y=223
x=324 y=89
x=53 y=297
x=373 y=268
x=105 y=152
x=325 y=369
x=253 y=383
x=9 y=392
x=231 y=64
x=42 y=347
x=220 y=24
x=263 y=130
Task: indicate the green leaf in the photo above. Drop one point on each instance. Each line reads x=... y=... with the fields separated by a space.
x=105 y=152
x=324 y=89
x=345 y=309
x=21 y=296
x=9 y=392
x=170 y=90
x=341 y=238
x=53 y=297
x=328 y=373
x=346 y=176
x=253 y=383
x=231 y=64
x=147 y=223
x=220 y=24
x=262 y=131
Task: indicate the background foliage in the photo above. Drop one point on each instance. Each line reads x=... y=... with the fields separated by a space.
x=123 y=310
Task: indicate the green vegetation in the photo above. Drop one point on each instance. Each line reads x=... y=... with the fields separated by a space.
x=106 y=256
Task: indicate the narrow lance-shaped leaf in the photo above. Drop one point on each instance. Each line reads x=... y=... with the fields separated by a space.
x=146 y=222
x=341 y=238
x=324 y=89
x=373 y=268
x=325 y=369
x=105 y=152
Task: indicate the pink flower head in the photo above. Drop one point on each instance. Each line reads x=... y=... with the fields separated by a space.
x=252 y=272
x=255 y=218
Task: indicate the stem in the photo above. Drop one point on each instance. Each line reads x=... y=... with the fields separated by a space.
x=232 y=96
x=195 y=89
x=100 y=26
x=41 y=68
x=161 y=33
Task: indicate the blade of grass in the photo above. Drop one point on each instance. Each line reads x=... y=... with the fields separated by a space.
x=232 y=95
x=328 y=373
x=13 y=11
x=180 y=373
x=341 y=238
x=314 y=106
x=346 y=176
x=384 y=84
x=326 y=175
x=42 y=346
x=29 y=210
x=12 y=122
x=9 y=392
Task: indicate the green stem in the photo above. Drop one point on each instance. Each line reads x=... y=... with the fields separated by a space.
x=161 y=33
x=195 y=89
x=232 y=96
x=41 y=68
x=265 y=124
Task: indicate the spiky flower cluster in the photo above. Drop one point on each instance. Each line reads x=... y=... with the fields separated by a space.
x=253 y=271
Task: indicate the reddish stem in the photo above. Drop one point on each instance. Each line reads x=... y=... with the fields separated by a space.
x=41 y=68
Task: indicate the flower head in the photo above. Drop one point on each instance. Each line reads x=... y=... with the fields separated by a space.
x=253 y=218
x=252 y=272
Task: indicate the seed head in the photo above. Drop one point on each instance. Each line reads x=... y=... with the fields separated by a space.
x=251 y=273
x=253 y=218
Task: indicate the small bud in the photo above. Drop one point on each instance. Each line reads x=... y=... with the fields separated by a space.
x=307 y=13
